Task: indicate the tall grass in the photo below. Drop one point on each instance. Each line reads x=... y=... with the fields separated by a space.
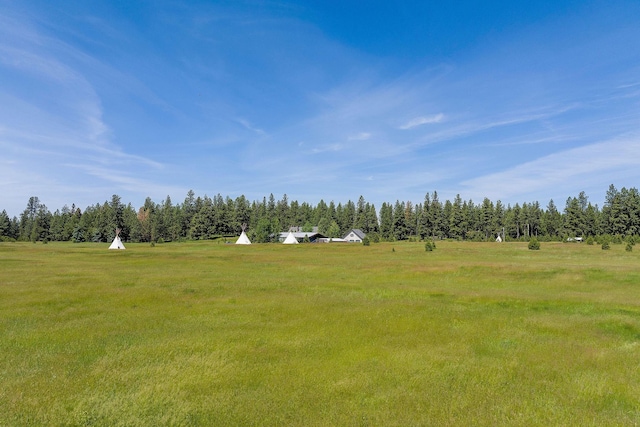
x=201 y=333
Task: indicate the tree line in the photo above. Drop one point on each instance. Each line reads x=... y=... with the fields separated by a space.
x=201 y=218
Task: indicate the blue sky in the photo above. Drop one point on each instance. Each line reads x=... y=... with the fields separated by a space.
x=317 y=100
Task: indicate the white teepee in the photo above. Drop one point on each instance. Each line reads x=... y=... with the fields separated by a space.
x=290 y=240
x=117 y=243
x=243 y=239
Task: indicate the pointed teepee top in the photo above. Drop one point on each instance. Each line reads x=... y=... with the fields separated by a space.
x=117 y=243
x=291 y=239
x=243 y=239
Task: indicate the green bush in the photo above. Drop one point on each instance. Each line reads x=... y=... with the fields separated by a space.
x=428 y=246
x=605 y=245
x=590 y=240
x=366 y=241
x=629 y=247
x=534 y=244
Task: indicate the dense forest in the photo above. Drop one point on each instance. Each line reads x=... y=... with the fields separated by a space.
x=200 y=218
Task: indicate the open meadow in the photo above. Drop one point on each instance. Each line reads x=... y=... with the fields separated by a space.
x=206 y=333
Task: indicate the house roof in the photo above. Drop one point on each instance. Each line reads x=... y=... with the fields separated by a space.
x=361 y=234
x=299 y=230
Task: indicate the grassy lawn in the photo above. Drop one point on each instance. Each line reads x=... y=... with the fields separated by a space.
x=202 y=333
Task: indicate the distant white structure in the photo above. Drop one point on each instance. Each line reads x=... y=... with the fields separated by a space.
x=290 y=240
x=354 y=235
x=312 y=236
x=117 y=243
x=243 y=239
x=498 y=239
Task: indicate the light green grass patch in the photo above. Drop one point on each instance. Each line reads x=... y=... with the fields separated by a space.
x=199 y=333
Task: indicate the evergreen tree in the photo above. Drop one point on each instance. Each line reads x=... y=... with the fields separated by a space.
x=41 y=224
x=498 y=218
x=5 y=224
x=28 y=217
x=426 y=222
x=447 y=211
x=334 y=230
x=552 y=220
x=591 y=220
x=612 y=212
x=57 y=227
x=360 y=219
x=348 y=217
x=295 y=214
x=486 y=218
x=306 y=213
x=320 y=212
x=456 y=219
x=410 y=220
x=188 y=211
x=386 y=221
x=271 y=207
x=370 y=220
x=399 y=221
x=574 y=221
x=437 y=217
x=283 y=214
x=264 y=231
x=242 y=210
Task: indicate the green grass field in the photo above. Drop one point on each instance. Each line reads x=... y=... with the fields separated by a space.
x=202 y=333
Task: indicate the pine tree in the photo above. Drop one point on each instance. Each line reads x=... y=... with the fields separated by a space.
x=386 y=221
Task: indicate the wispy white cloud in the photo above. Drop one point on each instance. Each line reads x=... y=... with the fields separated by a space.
x=419 y=121
x=362 y=136
x=57 y=121
x=249 y=126
x=327 y=148
x=587 y=166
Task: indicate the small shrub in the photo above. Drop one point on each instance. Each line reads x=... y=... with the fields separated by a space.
x=631 y=240
x=590 y=240
x=617 y=239
x=534 y=244
x=428 y=246
x=605 y=245
x=366 y=241
x=629 y=247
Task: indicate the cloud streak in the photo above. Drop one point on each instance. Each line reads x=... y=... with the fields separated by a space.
x=419 y=121
x=586 y=165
